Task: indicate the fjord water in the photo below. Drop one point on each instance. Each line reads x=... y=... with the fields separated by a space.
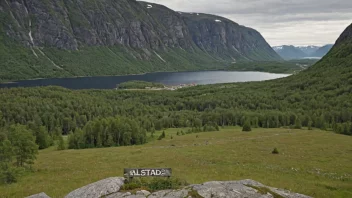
x=167 y=78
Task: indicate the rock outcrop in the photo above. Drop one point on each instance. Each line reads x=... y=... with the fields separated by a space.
x=109 y=188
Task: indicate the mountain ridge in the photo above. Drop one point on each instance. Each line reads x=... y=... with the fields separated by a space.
x=84 y=38
x=289 y=52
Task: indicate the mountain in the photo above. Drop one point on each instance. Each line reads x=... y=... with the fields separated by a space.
x=310 y=49
x=55 y=38
x=289 y=52
x=322 y=51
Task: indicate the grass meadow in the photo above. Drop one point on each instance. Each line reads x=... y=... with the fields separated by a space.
x=315 y=163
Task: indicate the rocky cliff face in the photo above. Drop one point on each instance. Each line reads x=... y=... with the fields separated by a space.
x=142 y=30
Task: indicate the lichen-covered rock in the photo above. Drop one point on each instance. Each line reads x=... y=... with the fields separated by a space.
x=214 y=189
x=244 y=188
x=143 y=192
x=98 y=189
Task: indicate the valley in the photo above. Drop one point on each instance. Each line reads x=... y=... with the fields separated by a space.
x=290 y=52
x=78 y=99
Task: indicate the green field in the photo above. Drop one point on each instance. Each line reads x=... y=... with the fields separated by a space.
x=316 y=163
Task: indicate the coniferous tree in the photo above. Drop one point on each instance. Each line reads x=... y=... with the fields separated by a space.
x=71 y=141
x=298 y=123
x=42 y=138
x=61 y=144
x=246 y=126
x=310 y=125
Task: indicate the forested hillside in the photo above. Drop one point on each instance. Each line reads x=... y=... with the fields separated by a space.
x=43 y=39
x=317 y=97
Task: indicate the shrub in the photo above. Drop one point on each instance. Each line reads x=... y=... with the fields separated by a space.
x=8 y=175
x=275 y=151
x=162 y=136
x=154 y=184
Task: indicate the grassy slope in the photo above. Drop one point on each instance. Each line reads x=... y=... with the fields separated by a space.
x=315 y=163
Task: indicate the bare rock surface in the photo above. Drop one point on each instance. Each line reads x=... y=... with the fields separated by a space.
x=40 y=195
x=109 y=188
x=244 y=188
x=98 y=189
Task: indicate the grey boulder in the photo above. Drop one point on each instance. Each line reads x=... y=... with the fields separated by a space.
x=101 y=188
x=40 y=195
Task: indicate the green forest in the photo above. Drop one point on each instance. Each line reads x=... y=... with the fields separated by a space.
x=135 y=84
x=289 y=67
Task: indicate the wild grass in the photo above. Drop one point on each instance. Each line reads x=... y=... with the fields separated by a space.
x=316 y=163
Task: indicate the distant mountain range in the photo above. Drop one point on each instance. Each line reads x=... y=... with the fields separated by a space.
x=289 y=52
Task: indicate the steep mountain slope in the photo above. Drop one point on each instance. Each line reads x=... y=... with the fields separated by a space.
x=289 y=52
x=322 y=51
x=55 y=38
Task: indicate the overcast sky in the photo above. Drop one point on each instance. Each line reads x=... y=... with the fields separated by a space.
x=289 y=22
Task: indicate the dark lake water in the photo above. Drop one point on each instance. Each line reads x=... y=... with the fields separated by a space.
x=167 y=78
